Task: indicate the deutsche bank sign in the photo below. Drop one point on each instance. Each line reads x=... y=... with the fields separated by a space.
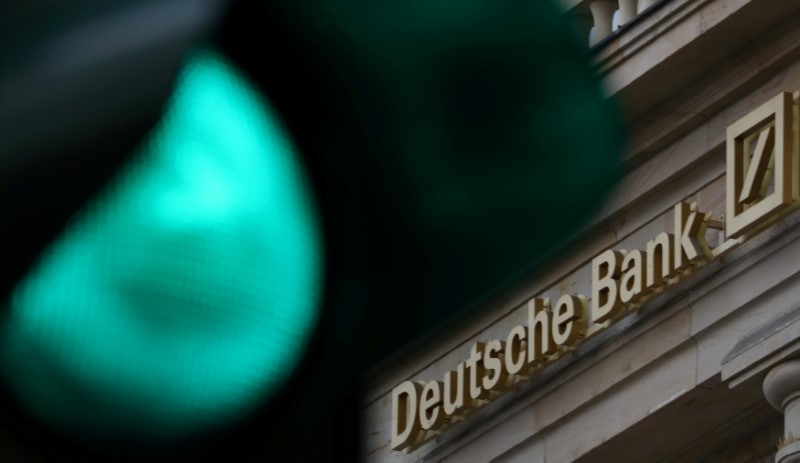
x=761 y=187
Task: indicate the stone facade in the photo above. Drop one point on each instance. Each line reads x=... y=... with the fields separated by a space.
x=703 y=371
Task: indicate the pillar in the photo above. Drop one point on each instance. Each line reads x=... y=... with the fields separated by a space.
x=782 y=390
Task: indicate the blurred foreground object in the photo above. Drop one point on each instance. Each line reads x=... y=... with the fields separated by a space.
x=182 y=295
x=452 y=146
x=449 y=148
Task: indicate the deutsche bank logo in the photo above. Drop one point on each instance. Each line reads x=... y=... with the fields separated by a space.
x=762 y=165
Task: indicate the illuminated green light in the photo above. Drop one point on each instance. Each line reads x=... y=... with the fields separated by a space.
x=185 y=293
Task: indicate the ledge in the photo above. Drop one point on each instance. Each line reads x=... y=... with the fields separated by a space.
x=753 y=356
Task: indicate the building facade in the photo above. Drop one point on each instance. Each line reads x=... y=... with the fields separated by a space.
x=669 y=330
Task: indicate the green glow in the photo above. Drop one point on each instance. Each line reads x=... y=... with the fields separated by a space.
x=184 y=295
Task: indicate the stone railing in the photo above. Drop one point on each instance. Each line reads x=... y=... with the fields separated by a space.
x=598 y=19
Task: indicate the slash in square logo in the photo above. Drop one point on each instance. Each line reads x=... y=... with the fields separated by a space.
x=762 y=166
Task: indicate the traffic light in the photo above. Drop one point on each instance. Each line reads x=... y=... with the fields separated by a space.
x=204 y=254
x=325 y=185
x=451 y=147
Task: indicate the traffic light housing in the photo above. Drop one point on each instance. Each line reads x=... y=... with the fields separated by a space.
x=447 y=149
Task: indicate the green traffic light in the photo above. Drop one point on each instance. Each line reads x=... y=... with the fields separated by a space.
x=185 y=293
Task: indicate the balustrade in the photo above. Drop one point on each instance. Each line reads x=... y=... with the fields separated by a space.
x=609 y=15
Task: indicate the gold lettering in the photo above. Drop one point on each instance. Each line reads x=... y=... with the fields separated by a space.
x=476 y=371
x=540 y=342
x=456 y=400
x=659 y=259
x=515 y=352
x=568 y=320
x=631 y=285
x=620 y=279
x=606 y=304
x=690 y=230
x=430 y=406
x=498 y=375
x=405 y=421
